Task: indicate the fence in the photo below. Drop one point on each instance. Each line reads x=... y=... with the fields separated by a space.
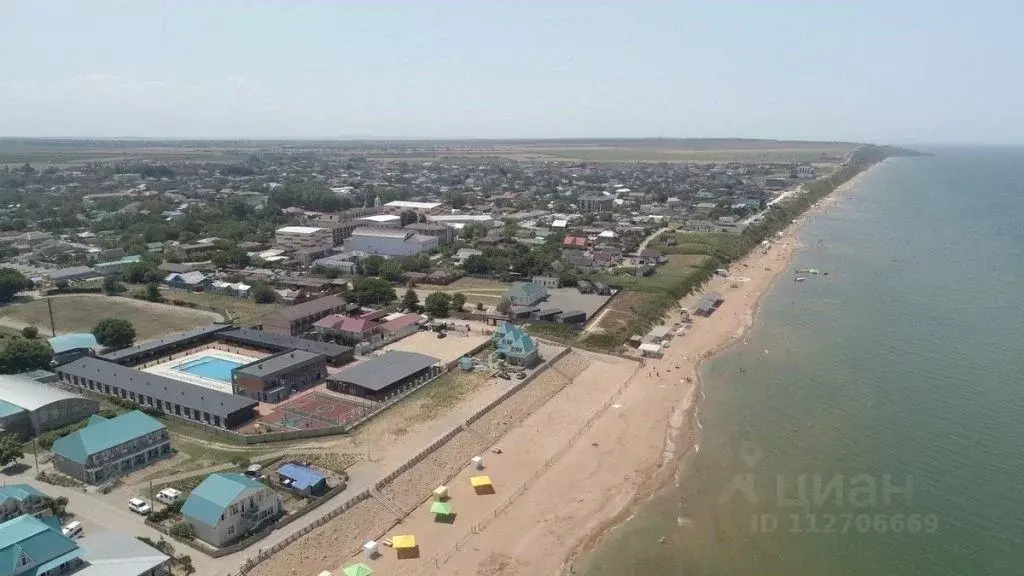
x=263 y=554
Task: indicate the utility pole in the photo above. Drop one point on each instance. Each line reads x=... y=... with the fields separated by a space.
x=151 y=500
x=49 y=306
x=35 y=455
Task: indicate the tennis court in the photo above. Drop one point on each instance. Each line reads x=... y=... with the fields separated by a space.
x=316 y=410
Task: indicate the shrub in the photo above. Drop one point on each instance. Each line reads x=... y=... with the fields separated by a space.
x=182 y=530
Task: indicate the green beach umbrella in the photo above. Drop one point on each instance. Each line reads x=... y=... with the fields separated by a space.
x=359 y=570
x=444 y=508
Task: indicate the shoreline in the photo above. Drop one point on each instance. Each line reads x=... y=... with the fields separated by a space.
x=659 y=478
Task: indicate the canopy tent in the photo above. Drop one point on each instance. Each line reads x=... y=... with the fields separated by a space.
x=480 y=481
x=358 y=570
x=441 y=508
x=403 y=542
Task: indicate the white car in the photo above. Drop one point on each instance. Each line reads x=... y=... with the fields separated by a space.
x=139 y=506
x=168 y=496
x=73 y=530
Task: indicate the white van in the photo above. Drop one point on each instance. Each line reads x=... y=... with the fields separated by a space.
x=168 y=496
x=73 y=530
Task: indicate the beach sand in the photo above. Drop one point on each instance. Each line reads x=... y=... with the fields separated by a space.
x=580 y=463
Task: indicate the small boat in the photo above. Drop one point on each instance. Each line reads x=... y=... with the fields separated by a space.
x=799 y=279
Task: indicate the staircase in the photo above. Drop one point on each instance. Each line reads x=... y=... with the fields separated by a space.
x=386 y=503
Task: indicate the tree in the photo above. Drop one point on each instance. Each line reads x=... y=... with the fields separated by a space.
x=30 y=332
x=437 y=304
x=262 y=294
x=371 y=265
x=114 y=333
x=390 y=271
x=476 y=264
x=474 y=230
x=458 y=300
x=21 y=355
x=230 y=257
x=58 y=506
x=505 y=306
x=153 y=292
x=10 y=449
x=411 y=300
x=111 y=285
x=372 y=291
x=12 y=282
x=408 y=217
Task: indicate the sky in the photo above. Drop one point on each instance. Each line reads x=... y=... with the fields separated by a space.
x=900 y=71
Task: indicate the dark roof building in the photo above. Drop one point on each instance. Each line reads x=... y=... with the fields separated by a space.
x=336 y=354
x=299 y=318
x=277 y=377
x=162 y=346
x=383 y=375
x=175 y=397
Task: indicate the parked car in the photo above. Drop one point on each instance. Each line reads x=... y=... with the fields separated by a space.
x=168 y=496
x=73 y=530
x=139 y=506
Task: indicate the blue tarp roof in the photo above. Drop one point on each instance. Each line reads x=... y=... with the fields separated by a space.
x=66 y=342
x=303 y=477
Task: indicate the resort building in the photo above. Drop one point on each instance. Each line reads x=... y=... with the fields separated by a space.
x=111 y=448
x=29 y=407
x=278 y=377
x=379 y=377
x=300 y=317
x=18 y=499
x=228 y=506
x=515 y=346
x=390 y=242
x=172 y=396
x=293 y=238
x=526 y=294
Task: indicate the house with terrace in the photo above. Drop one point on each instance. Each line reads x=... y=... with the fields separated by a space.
x=227 y=506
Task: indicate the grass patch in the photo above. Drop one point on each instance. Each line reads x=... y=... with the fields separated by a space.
x=245 y=312
x=441 y=394
x=81 y=312
x=466 y=284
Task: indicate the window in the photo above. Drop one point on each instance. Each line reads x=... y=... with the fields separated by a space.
x=231 y=530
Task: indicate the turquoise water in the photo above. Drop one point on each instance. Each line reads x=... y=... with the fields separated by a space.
x=209 y=367
x=902 y=366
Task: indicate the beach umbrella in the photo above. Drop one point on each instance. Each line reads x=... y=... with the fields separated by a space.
x=443 y=508
x=358 y=570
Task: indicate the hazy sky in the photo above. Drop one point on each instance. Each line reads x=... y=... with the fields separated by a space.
x=898 y=71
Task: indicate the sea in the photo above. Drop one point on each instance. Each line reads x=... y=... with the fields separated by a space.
x=872 y=421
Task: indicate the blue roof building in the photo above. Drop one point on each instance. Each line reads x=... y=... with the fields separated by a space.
x=111 y=448
x=515 y=345
x=69 y=347
x=18 y=499
x=228 y=506
x=302 y=478
x=30 y=546
x=526 y=294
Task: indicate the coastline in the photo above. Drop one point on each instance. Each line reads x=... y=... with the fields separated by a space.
x=682 y=440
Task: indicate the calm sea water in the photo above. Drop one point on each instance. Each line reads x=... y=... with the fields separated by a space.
x=902 y=369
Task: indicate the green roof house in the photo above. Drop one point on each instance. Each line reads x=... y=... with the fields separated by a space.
x=228 y=506
x=526 y=294
x=111 y=448
x=515 y=345
x=18 y=499
x=33 y=547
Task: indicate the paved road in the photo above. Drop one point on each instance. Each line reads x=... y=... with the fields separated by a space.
x=653 y=235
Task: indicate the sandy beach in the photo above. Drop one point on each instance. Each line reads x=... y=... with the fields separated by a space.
x=570 y=469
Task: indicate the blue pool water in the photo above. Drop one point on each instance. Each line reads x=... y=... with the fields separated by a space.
x=209 y=367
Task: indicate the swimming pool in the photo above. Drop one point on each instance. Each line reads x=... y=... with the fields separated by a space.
x=209 y=367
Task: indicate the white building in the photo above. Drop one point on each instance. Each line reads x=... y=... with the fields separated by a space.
x=291 y=238
x=422 y=207
x=227 y=506
x=389 y=242
x=451 y=219
x=381 y=221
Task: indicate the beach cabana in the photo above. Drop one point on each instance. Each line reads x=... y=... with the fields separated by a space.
x=482 y=484
x=405 y=546
x=358 y=570
x=441 y=508
x=441 y=493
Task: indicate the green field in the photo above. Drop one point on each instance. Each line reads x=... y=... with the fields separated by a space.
x=81 y=312
x=243 y=311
